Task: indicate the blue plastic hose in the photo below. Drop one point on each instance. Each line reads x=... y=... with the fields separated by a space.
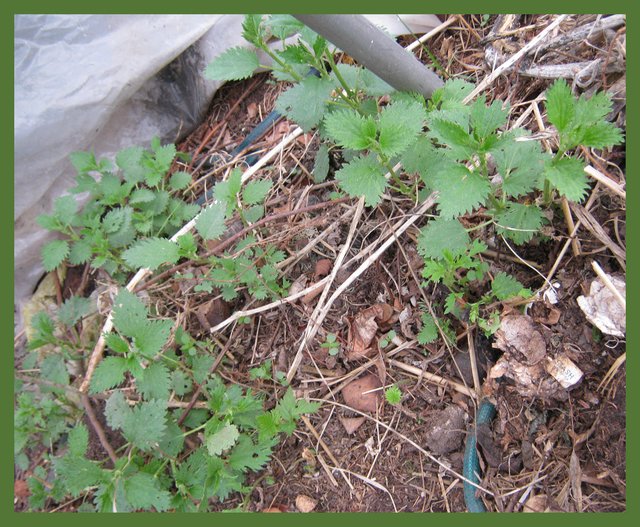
x=471 y=465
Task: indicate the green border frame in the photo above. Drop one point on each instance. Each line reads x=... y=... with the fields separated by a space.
x=9 y=9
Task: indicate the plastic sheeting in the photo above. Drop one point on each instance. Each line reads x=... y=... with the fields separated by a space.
x=103 y=83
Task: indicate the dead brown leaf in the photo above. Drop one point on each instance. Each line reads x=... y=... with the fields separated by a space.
x=358 y=393
x=351 y=424
x=518 y=334
x=21 y=488
x=323 y=268
x=212 y=313
x=363 y=329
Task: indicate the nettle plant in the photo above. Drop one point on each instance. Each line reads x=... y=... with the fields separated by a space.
x=462 y=152
x=155 y=469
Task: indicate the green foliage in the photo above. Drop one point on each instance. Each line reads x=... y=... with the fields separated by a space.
x=331 y=344
x=393 y=395
x=234 y=64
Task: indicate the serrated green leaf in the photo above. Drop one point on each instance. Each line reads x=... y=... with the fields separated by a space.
x=73 y=309
x=65 y=208
x=151 y=337
x=129 y=160
x=179 y=180
x=521 y=166
x=116 y=343
x=125 y=234
x=227 y=191
x=321 y=164
x=151 y=253
x=80 y=252
x=164 y=156
x=78 y=473
x=154 y=383
x=145 y=424
x=54 y=253
x=519 y=222
x=560 y=105
x=350 y=129
x=399 y=124
x=568 y=177
x=253 y=214
x=234 y=64
x=373 y=85
x=83 y=161
x=454 y=137
x=364 y=176
x=180 y=383
x=51 y=223
x=306 y=102
x=485 y=120
x=143 y=492
x=460 y=191
x=601 y=135
x=129 y=313
x=429 y=331
x=252 y=30
x=78 y=440
x=210 y=223
x=116 y=410
x=422 y=157
x=283 y=26
x=505 y=286
x=109 y=374
x=255 y=191
x=53 y=369
x=142 y=195
x=440 y=235
x=248 y=456
x=223 y=439
x=453 y=91
x=173 y=440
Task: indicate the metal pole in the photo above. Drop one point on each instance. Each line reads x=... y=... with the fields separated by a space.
x=375 y=50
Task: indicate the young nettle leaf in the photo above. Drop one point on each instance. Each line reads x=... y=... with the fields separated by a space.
x=460 y=190
x=151 y=253
x=180 y=383
x=283 y=26
x=179 y=180
x=150 y=338
x=567 y=175
x=122 y=233
x=65 y=209
x=364 y=176
x=210 y=223
x=521 y=166
x=154 y=383
x=142 y=195
x=255 y=191
x=143 y=491
x=80 y=252
x=505 y=287
x=227 y=191
x=399 y=124
x=54 y=253
x=164 y=156
x=351 y=130
x=249 y=456
x=129 y=160
x=560 y=105
x=306 y=102
x=109 y=374
x=429 y=331
x=78 y=440
x=519 y=222
x=252 y=29
x=485 y=120
x=116 y=343
x=456 y=139
x=73 y=309
x=53 y=369
x=221 y=438
x=129 y=313
x=78 y=473
x=321 y=164
x=440 y=235
x=84 y=162
x=234 y=64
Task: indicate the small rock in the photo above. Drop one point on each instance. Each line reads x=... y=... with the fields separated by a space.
x=446 y=430
x=305 y=503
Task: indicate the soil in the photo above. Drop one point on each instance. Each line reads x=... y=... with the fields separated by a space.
x=569 y=452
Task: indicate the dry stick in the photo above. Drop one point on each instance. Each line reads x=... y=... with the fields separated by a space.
x=319 y=313
x=473 y=361
x=412 y=443
x=426 y=205
x=607 y=182
x=435 y=379
x=98 y=428
x=515 y=58
x=324 y=446
x=431 y=33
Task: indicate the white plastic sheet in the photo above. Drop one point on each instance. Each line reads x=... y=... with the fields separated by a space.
x=103 y=83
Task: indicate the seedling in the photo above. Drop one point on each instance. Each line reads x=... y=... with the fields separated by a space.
x=331 y=344
x=393 y=395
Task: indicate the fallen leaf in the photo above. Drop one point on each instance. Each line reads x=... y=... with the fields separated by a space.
x=305 y=503
x=298 y=285
x=323 y=268
x=351 y=424
x=363 y=329
x=544 y=313
x=21 y=488
x=213 y=312
x=271 y=509
x=252 y=110
x=311 y=295
x=358 y=393
x=537 y=503
x=518 y=334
